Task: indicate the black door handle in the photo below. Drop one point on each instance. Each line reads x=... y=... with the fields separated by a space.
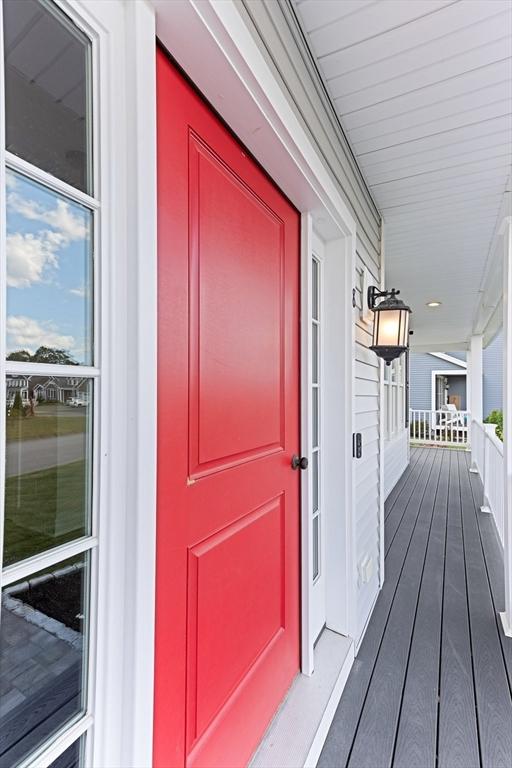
x=299 y=462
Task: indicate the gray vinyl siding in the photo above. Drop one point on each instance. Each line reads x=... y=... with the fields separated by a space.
x=493 y=376
x=275 y=27
x=422 y=366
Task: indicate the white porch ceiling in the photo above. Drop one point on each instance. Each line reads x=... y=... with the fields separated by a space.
x=423 y=90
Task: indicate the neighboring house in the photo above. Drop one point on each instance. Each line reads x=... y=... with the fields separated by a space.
x=436 y=379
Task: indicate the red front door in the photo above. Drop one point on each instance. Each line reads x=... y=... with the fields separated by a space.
x=227 y=629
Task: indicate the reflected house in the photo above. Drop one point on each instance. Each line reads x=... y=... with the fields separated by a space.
x=61 y=389
x=52 y=389
x=15 y=385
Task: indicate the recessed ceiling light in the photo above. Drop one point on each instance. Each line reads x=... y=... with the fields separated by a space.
x=433 y=303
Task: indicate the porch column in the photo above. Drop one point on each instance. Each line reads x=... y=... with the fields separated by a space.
x=506 y=616
x=475 y=391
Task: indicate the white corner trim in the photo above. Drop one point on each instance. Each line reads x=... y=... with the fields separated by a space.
x=141 y=263
x=449 y=359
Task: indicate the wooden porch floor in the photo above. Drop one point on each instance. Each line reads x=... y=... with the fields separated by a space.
x=431 y=684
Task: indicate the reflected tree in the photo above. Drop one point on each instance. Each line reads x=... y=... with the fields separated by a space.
x=43 y=355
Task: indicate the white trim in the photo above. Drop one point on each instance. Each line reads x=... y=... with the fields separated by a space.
x=382 y=427
x=307 y=655
x=3 y=298
x=449 y=359
x=475 y=404
x=142 y=371
x=14 y=368
x=433 y=375
x=506 y=232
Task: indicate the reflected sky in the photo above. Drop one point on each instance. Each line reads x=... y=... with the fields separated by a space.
x=49 y=271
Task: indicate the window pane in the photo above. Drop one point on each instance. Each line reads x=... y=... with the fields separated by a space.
x=315 y=289
x=315 y=480
x=316 y=546
x=71 y=757
x=48 y=463
x=314 y=353
x=49 y=275
x=316 y=418
x=42 y=656
x=47 y=77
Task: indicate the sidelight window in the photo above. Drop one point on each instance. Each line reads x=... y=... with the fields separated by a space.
x=50 y=386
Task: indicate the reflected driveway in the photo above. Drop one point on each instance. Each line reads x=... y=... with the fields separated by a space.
x=27 y=456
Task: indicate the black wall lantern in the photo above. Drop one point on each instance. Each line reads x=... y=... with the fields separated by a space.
x=391 y=324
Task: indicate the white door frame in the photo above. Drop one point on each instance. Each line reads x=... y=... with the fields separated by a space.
x=451 y=372
x=339 y=529
x=226 y=53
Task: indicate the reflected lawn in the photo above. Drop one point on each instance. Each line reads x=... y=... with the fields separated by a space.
x=37 y=504
x=31 y=427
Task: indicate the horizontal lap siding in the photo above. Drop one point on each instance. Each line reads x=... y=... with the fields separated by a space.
x=493 y=376
x=274 y=26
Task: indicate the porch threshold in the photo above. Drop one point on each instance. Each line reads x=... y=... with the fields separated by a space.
x=296 y=735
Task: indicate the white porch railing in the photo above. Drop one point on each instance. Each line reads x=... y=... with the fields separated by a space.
x=449 y=428
x=487 y=459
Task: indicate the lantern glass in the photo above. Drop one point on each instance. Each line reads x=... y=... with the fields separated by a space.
x=388 y=325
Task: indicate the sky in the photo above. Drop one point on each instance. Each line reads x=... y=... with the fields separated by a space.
x=49 y=270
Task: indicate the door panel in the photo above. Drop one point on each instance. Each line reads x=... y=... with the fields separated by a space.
x=237 y=313
x=227 y=624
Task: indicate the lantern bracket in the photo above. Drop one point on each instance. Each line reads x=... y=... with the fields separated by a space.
x=374 y=294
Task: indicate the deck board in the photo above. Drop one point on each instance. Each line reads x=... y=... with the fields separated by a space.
x=375 y=736
x=416 y=740
x=492 y=691
x=458 y=730
x=431 y=683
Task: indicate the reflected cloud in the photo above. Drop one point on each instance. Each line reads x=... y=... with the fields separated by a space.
x=28 y=258
x=68 y=224
x=49 y=271
x=25 y=333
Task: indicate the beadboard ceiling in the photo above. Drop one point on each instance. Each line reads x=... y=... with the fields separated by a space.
x=423 y=90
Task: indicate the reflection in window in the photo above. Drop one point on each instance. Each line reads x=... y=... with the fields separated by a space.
x=49 y=275
x=42 y=656
x=47 y=79
x=48 y=463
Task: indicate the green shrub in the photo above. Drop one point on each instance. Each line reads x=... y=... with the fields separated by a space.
x=496 y=417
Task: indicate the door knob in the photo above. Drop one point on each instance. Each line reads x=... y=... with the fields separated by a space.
x=299 y=462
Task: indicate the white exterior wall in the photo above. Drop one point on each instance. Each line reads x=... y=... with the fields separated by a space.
x=366 y=405
x=396 y=459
